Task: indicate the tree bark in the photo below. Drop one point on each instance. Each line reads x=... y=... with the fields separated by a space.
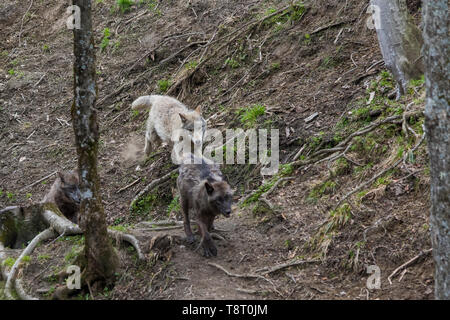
x=101 y=259
x=436 y=53
x=400 y=41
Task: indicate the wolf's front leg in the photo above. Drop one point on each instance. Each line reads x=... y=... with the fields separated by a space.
x=209 y=249
x=186 y=222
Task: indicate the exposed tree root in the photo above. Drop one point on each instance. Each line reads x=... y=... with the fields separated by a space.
x=120 y=236
x=58 y=225
x=408 y=263
x=10 y=280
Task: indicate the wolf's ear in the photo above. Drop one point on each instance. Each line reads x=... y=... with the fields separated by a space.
x=61 y=176
x=198 y=109
x=183 y=117
x=209 y=188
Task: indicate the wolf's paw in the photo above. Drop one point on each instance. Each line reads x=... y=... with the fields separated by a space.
x=209 y=249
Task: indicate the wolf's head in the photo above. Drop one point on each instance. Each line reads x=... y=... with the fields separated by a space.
x=220 y=196
x=70 y=186
x=195 y=124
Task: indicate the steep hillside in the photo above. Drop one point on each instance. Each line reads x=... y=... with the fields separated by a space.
x=250 y=64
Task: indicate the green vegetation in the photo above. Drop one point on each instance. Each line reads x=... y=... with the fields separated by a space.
x=163 y=85
x=232 y=63
x=191 y=65
x=249 y=115
x=174 y=206
x=122 y=228
x=9 y=262
x=43 y=257
x=105 y=41
x=289 y=16
x=318 y=191
x=124 y=5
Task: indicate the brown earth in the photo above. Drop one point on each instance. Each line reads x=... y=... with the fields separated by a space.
x=323 y=62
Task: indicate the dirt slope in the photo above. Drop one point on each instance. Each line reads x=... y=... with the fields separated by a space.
x=320 y=58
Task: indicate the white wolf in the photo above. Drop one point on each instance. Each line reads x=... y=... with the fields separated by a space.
x=166 y=117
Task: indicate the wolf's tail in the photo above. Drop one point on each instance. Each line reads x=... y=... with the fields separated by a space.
x=141 y=103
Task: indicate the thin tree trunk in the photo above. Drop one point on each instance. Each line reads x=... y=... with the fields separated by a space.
x=436 y=53
x=400 y=41
x=101 y=259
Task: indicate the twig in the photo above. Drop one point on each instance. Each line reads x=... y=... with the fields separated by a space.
x=153 y=184
x=236 y=275
x=40 y=180
x=129 y=186
x=23 y=18
x=408 y=263
x=334 y=24
x=40 y=80
x=295 y=262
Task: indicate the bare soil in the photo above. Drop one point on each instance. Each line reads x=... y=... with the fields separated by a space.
x=323 y=62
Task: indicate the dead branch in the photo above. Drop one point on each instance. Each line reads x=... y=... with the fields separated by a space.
x=408 y=263
x=295 y=262
x=129 y=185
x=40 y=180
x=236 y=275
x=331 y=25
x=153 y=184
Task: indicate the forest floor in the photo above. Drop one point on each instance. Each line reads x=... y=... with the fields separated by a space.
x=319 y=57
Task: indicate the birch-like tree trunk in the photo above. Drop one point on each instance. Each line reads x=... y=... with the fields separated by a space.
x=436 y=54
x=400 y=40
x=101 y=259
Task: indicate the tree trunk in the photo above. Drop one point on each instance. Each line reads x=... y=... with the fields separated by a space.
x=101 y=259
x=436 y=53
x=400 y=41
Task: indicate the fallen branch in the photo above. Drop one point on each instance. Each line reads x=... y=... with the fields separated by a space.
x=334 y=24
x=129 y=186
x=40 y=180
x=408 y=263
x=295 y=262
x=152 y=185
x=236 y=275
